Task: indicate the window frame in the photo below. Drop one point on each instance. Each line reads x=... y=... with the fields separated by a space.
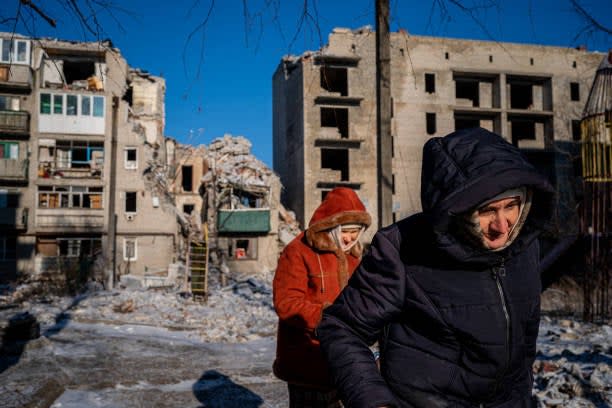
x=125 y=202
x=125 y=253
x=11 y=54
x=130 y=164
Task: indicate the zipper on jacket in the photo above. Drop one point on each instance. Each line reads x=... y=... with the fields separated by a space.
x=498 y=273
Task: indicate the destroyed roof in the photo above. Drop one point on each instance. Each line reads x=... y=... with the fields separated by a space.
x=231 y=161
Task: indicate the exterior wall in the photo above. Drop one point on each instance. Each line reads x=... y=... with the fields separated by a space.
x=474 y=82
x=288 y=135
x=56 y=230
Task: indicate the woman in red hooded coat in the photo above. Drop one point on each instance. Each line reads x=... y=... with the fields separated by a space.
x=311 y=272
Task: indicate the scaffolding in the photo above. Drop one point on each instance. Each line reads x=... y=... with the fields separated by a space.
x=596 y=149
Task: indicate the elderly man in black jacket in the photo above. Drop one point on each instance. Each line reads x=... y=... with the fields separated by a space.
x=451 y=294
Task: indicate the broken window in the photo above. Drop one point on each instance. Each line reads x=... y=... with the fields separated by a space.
x=521 y=96
x=523 y=130
x=246 y=199
x=69 y=197
x=575 y=91
x=78 y=70
x=85 y=105
x=130 y=202
x=336 y=118
x=467 y=89
x=243 y=248
x=130 y=156
x=188 y=208
x=70 y=154
x=187 y=181
x=336 y=159
x=8 y=247
x=464 y=122
x=430 y=83
x=130 y=249
x=576 y=136
x=334 y=79
x=70 y=248
x=430 y=118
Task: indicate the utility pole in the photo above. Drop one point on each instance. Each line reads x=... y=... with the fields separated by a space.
x=383 y=115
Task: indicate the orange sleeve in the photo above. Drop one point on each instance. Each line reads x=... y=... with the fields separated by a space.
x=290 y=292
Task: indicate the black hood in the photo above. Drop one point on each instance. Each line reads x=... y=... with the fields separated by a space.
x=463 y=169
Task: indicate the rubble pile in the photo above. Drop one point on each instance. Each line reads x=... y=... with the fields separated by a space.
x=232 y=164
x=573 y=367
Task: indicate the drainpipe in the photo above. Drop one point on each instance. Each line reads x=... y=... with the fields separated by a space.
x=112 y=217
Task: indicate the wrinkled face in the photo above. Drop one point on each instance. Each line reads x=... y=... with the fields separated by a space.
x=497 y=219
x=349 y=235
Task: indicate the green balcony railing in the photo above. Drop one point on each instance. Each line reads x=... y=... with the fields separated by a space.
x=244 y=220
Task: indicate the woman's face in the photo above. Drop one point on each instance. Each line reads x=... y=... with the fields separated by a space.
x=349 y=235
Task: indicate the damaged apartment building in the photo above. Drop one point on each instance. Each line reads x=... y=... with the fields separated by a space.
x=231 y=203
x=324 y=111
x=81 y=148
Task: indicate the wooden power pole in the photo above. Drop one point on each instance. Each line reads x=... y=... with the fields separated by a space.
x=383 y=114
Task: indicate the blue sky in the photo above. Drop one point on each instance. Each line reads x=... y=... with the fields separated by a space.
x=221 y=81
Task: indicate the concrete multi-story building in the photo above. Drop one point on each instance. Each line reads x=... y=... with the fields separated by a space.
x=324 y=109
x=82 y=150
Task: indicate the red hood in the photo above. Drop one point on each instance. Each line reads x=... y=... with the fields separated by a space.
x=341 y=206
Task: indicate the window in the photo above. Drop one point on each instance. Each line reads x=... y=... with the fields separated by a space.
x=130 y=156
x=72 y=154
x=8 y=247
x=45 y=104
x=98 y=106
x=69 y=197
x=336 y=159
x=16 y=51
x=188 y=208
x=334 y=80
x=130 y=202
x=430 y=118
x=71 y=105
x=130 y=249
x=9 y=103
x=55 y=103
x=576 y=136
x=58 y=104
x=575 y=91
x=70 y=248
x=187 y=182
x=85 y=105
x=9 y=150
x=336 y=118
x=243 y=248
x=430 y=83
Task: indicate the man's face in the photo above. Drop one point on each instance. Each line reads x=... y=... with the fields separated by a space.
x=349 y=235
x=497 y=219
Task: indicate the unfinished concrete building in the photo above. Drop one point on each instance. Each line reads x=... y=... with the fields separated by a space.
x=324 y=110
x=80 y=132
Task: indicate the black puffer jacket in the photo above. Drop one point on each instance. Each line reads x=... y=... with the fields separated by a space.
x=457 y=325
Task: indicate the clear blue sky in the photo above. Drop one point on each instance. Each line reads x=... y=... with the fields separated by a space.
x=222 y=82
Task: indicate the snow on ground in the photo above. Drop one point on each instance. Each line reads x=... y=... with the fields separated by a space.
x=572 y=369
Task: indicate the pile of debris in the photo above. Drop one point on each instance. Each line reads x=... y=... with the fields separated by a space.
x=573 y=364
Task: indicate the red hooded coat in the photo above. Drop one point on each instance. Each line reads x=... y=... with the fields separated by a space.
x=311 y=272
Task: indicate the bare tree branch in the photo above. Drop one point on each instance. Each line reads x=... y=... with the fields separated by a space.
x=591 y=24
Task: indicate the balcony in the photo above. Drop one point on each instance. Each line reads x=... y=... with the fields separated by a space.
x=16 y=77
x=14 y=218
x=15 y=122
x=67 y=219
x=14 y=168
x=255 y=220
